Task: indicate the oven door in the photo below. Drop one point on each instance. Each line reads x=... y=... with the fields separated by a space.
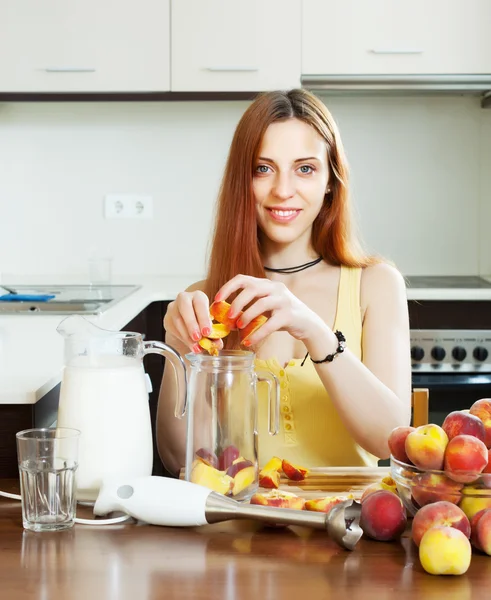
x=452 y=391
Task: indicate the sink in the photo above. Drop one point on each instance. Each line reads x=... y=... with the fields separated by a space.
x=69 y=299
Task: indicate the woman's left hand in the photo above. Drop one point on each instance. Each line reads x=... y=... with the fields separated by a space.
x=287 y=312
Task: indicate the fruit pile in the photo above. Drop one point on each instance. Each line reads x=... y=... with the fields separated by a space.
x=224 y=325
x=447 y=471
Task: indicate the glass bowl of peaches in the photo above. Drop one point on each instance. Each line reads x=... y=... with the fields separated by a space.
x=450 y=462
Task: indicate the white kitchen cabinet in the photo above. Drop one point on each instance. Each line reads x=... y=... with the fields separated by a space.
x=84 y=45
x=396 y=37
x=235 y=45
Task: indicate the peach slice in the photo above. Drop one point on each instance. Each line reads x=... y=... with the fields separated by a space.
x=227 y=457
x=211 y=478
x=219 y=311
x=278 y=498
x=293 y=472
x=243 y=479
x=208 y=457
x=325 y=504
x=211 y=346
x=253 y=326
x=269 y=475
x=237 y=466
x=218 y=330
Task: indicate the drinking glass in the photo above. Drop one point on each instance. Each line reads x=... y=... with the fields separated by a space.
x=48 y=460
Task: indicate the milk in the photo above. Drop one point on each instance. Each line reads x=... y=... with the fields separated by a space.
x=105 y=397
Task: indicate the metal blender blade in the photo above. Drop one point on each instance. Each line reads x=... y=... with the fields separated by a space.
x=342 y=523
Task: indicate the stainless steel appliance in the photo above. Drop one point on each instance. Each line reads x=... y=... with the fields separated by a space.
x=71 y=299
x=451 y=343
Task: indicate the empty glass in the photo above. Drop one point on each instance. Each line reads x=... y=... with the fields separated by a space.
x=48 y=460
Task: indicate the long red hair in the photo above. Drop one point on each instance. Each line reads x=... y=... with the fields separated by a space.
x=236 y=248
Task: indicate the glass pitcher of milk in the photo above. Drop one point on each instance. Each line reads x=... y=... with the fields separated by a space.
x=104 y=395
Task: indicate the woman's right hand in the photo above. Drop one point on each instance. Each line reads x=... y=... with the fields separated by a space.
x=188 y=318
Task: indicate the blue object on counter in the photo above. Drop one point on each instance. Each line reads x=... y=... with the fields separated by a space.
x=26 y=297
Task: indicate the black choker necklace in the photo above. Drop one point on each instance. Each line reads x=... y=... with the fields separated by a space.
x=295 y=269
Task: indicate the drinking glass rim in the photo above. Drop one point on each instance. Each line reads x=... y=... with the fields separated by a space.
x=66 y=433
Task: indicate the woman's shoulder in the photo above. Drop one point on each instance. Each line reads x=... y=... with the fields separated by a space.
x=381 y=280
x=198 y=286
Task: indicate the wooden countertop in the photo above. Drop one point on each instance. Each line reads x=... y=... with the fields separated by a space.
x=229 y=561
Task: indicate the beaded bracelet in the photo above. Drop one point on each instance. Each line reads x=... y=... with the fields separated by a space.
x=330 y=357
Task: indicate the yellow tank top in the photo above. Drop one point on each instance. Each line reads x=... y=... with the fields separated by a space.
x=311 y=432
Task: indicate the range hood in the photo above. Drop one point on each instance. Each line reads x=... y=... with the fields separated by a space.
x=479 y=85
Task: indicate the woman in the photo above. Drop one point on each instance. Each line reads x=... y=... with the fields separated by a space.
x=283 y=247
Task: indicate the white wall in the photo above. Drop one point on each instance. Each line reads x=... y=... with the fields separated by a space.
x=418 y=170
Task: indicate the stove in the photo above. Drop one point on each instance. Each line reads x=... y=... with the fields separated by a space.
x=68 y=299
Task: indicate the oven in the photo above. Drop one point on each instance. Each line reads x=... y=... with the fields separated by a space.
x=450 y=321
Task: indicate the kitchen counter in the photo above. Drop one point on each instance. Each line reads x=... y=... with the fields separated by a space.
x=31 y=351
x=231 y=561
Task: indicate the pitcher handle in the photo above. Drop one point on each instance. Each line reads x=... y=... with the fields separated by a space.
x=273 y=400
x=177 y=362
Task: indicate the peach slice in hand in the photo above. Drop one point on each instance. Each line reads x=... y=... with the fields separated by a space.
x=218 y=331
x=251 y=327
x=293 y=472
x=269 y=475
x=325 y=504
x=213 y=347
x=219 y=311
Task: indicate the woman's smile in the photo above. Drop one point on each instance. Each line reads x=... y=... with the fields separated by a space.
x=283 y=215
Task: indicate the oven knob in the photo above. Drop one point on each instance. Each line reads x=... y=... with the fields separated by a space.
x=480 y=353
x=459 y=353
x=417 y=353
x=438 y=353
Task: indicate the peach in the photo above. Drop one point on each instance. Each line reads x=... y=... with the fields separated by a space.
x=387 y=483
x=210 y=477
x=445 y=551
x=425 y=446
x=485 y=478
x=461 y=423
x=219 y=311
x=325 y=504
x=269 y=475
x=482 y=409
x=207 y=456
x=465 y=457
x=251 y=327
x=383 y=516
x=213 y=347
x=481 y=530
x=243 y=479
x=397 y=441
x=279 y=499
x=293 y=472
x=218 y=331
x=439 y=513
x=433 y=487
x=474 y=499
x=227 y=457
x=237 y=466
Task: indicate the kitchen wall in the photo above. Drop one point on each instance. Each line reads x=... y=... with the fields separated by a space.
x=420 y=174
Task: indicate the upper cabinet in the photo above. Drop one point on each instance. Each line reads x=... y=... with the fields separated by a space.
x=84 y=46
x=235 y=45
x=396 y=37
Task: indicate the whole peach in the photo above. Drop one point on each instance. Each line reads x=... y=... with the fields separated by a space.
x=439 y=513
x=473 y=522
x=397 y=442
x=465 y=457
x=445 y=551
x=434 y=487
x=482 y=409
x=474 y=499
x=383 y=516
x=460 y=423
x=425 y=446
x=486 y=472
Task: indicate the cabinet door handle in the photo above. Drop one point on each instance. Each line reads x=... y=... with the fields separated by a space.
x=231 y=68
x=396 y=51
x=70 y=70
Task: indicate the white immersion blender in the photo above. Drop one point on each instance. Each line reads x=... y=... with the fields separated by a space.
x=177 y=503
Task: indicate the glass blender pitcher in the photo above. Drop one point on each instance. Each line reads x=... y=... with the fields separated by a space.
x=104 y=395
x=222 y=407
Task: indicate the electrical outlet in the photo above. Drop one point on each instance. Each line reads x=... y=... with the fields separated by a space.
x=128 y=206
